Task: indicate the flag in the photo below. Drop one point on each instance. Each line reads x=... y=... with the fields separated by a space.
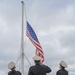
x=33 y=38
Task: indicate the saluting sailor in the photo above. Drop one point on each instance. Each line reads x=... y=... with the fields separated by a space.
x=38 y=69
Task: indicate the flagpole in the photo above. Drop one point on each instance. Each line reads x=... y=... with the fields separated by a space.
x=22 y=42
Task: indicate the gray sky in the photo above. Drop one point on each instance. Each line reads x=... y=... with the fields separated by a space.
x=54 y=24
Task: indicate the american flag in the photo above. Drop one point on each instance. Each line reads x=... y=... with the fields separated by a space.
x=33 y=38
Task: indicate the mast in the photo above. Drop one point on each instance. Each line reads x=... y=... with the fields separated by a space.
x=22 y=40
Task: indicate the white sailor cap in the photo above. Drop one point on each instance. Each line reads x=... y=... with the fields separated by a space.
x=63 y=63
x=37 y=58
x=11 y=65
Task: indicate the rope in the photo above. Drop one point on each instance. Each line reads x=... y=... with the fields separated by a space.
x=26 y=56
x=19 y=56
x=27 y=60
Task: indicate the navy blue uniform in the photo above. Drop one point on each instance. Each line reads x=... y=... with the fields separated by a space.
x=39 y=70
x=62 y=72
x=13 y=72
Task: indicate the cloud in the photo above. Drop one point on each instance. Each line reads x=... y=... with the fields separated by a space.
x=53 y=23
x=68 y=39
x=2 y=73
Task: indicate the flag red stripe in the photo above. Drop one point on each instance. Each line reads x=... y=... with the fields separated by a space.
x=33 y=38
x=34 y=43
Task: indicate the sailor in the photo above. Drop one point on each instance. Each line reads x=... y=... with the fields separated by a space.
x=12 y=67
x=62 y=70
x=38 y=69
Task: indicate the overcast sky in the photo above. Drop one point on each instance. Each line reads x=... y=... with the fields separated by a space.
x=54 y=24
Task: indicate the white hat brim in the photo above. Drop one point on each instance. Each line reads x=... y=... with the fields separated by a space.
x=11 y=65
x=62 y=63
x=37 y=58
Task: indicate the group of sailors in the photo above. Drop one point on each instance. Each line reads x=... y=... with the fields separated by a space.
x=38 y=69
